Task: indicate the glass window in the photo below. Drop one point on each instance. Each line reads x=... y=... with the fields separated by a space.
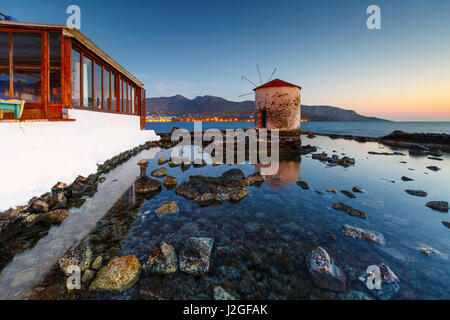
x=4 y=49
x=143 y=102
x=87 y=82
x=113 y=93
x=132 y=100
x=27 y=85
x=27 y=49
x=55 y=86
x=98 y=86
x=123 y=105
x=76 y=78
x=106 y=97
x=54 y=39
x=4 y=84
x=128 y=98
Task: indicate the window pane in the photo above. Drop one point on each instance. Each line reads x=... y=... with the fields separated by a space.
x=54 y=49
x=98 y=86
x=123 y=104
x=87 y=82
x=4 y=49
x=128 y=98
x=4 y=84
x=76 y=78
x=132 y=100
x=27 y=50
x=143 y=102
x=55 y=86
x=106 y=97
x=27 y=85
x=113 y=93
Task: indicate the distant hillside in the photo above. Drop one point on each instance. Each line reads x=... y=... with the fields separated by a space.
x=210 y=106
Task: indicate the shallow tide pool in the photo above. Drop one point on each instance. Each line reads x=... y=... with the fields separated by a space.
x=261 y=243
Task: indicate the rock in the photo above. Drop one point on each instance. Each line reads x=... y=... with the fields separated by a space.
x=39 y=206
x=54 y=216
x=406 y=178
x=435 y=153
x=381 y=281
x=446 y=224
x=162 y=161
x=168 y=208
x=221 y=294
x=318 y=192
x=206 y=190
x=348 y=194
x=119 y=275
x=30 y=219
x=23 y=277
x=303 y=184
x=349 y=210
x=357 y=295
x=331 y=191
x=58 y=201
x=310 y=136
x=59 y=187
x=357 y=189
x=418 y=150
x=195 y=257
x=324 y=271
x=145 y=185
x=159 y=172
x=162 y=259
x=331 y=236
x=433 y=168
x=307 y=149
x=418 y=193
x=97 y=264
x=363 y=234
x=80 y=255
x=88 y=276
x=438 y=205
x=430 y=251
x=142 y=163
x=434 y=158
x=386 y=153
x=170 y=181
x=346 y=161
x=255 y=179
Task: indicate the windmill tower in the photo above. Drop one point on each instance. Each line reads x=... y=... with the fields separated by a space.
x=277 y=104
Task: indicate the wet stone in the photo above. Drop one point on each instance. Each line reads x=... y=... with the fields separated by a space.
x=324 y=271
x=162 y=161
x=404 y=178
x=221 y=294
x=363 y=234
x=357 y=189
x=168 y=208
x=386 y=281
x=417 y=193
x=348 y=194
x=97 y=264
x=430 y=251
x=255 y=179
x=435 y=158
x=80 y=255
x=446 y=224
x=88 y=276
x=145 y=185
x=303 y=184
x=119 y=275
x=39 y=206
x=433 y=168
x=162 y=259
x=441 y=206
x=194 y=258
x=170 y=181
x=331 y=191
x=349 y=210
x=159 y=172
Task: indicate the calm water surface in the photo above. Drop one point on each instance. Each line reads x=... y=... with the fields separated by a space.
x=260 y=243
x=367 y=129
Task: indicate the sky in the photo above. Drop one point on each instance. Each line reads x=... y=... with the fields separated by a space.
x=196 y=48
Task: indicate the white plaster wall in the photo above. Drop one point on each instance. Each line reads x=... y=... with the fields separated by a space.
x=282 y=106
x=34 y=156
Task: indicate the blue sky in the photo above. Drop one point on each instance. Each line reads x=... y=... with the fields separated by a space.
x=204 y=47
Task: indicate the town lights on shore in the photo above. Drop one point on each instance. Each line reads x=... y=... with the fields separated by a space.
x=213 y=119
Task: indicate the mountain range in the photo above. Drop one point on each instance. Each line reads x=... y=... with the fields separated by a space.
x=210 y=106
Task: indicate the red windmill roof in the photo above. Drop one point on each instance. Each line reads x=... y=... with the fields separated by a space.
x=277 y=83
